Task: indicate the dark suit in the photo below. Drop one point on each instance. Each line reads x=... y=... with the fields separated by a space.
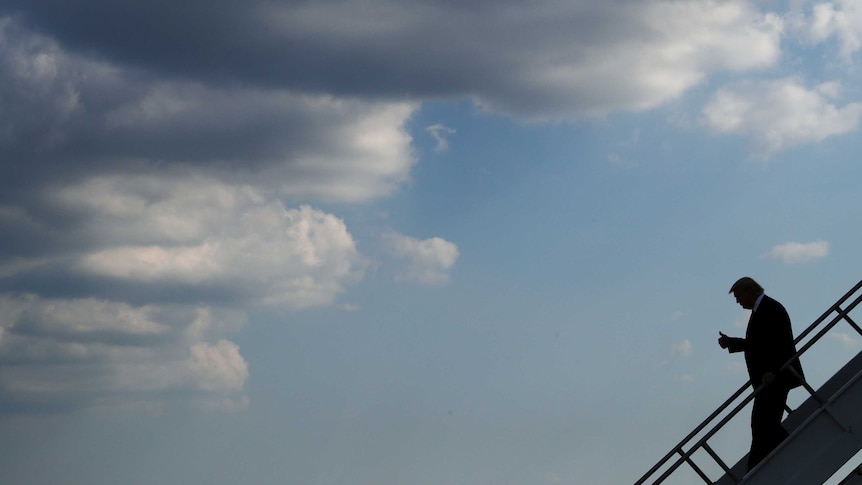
x=767 y=345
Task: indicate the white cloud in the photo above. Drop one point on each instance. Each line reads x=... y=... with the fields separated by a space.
x=847 y=340
x=439 y=133
x=198 y=231
x=428 y=260
x=189 y=246
x=682 y=349
x=218 y=367
x=794 y=252
x=80 y=352
x=841 y=19
x=669 y=48
x=780 y=114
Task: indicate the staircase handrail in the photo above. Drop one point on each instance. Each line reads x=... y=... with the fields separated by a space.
x=685 y=456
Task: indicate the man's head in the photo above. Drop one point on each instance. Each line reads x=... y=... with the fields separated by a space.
x=746 y=291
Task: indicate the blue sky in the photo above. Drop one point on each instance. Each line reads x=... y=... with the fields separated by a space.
x=372 y=242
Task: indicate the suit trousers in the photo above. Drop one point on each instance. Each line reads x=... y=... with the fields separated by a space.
x=766 y=430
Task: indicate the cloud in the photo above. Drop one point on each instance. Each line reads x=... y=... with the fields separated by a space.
x=62 y=108
x=546 y=60
x=154 y=215
x=192 y=235
x=427 y=261
x=780 y=114
x=173 y=185
x=439 y=133
x=134 y=300
x=682 y=349
x=218 y=367
x=846 y=340
x=653 y=52
x=841 y=19
x=64 y=354
x=794 y=252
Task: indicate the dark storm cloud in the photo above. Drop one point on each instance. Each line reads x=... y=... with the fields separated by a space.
x=66 y=116
x=367 y=48
x=509 y=55
x=94 y=85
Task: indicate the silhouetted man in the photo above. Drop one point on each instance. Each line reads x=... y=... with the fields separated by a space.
x=768 y=345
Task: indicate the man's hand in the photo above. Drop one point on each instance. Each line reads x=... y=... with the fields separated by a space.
x=768 y=378
x=723 y=340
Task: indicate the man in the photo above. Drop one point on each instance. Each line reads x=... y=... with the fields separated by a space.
x=767 y=346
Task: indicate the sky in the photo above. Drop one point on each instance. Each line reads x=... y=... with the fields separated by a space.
x=414 y=242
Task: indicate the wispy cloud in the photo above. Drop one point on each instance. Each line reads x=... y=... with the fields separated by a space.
x=847 y=340
x=678 y=350
x=440 y=132
x=682 y=349
x=794 y=252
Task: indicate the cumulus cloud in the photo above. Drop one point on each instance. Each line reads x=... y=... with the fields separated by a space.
x=840 y=20
x=61 y=354
x=671 y=47
x=781 y=113
x=426 y=260
x=545 y=60
x=219 y=366
x=296 y=257
x=136 y=297
x=794 y=252
x=94 y=117
x=152 y=216
x=198 y=234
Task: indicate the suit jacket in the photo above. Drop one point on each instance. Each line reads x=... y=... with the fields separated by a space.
x=768 y=344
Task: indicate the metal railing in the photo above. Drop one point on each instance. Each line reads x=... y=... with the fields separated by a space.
x=692 y=444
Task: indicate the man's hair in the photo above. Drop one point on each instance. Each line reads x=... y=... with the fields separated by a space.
x=746 y=284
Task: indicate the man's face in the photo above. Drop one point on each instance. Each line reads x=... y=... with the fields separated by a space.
x=745 y=298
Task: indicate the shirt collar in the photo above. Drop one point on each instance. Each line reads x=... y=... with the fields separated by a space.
x=757 y=302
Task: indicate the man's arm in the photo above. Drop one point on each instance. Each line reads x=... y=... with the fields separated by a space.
x=732 y=344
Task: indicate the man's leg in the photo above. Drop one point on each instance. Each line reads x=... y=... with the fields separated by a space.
x=766 y=430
